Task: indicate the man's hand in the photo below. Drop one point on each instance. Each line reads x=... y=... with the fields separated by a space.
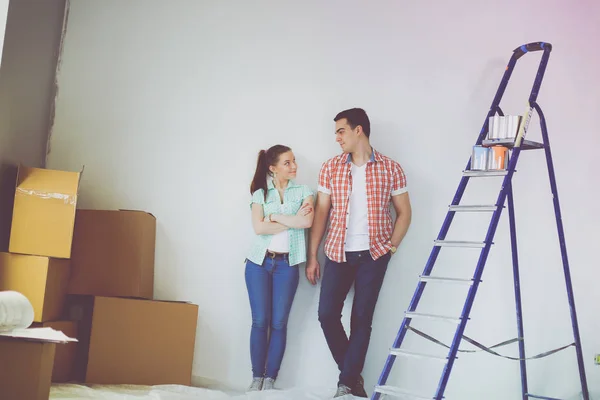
x=313 y=271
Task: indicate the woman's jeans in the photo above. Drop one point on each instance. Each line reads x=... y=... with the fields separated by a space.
x=271 y=289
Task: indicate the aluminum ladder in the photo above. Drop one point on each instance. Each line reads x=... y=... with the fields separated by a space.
x=382 y=390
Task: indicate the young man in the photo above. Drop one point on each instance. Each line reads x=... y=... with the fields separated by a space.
x=355 y=190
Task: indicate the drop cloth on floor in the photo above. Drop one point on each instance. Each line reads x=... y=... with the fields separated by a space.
x=176 y=392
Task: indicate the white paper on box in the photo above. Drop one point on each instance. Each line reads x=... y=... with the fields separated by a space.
x=40 y=334
x=16 y=316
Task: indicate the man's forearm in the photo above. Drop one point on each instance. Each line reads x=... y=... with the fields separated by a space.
x=400 y=229
x=316 y=232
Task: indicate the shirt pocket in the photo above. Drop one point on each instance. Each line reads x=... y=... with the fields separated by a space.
x=339 y=183
x=272 y=206
x=291 y=207
x=385 y=183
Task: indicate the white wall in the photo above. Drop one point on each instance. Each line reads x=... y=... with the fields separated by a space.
x=168 y=103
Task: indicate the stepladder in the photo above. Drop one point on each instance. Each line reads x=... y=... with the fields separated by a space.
x=495 y=153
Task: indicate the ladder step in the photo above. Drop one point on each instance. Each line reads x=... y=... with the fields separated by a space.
x=472 y=208
x=533 y=396
x=400 y=393
x=407 y=353
x=458 y=243
x=412 y=314
x=429 y=278
x=475 y=173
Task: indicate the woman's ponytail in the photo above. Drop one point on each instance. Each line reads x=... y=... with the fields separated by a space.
x=260 y=175
x=266 y=158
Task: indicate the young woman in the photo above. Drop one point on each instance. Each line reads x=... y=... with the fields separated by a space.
x=281 y=212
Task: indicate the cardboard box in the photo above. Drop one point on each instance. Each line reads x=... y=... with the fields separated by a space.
x=26 y=369
x=113 y=253
x=44 y=212
x=79 y=309
x=134 y=341
x=42 y=280
x=64 y=359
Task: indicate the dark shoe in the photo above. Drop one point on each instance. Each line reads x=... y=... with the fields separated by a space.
x=359 y=389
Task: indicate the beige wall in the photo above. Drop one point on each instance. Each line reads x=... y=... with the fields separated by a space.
x=33 y=32
x=29 y=54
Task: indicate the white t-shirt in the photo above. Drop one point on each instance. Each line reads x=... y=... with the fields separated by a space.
x=280 y=242
x=357 y=238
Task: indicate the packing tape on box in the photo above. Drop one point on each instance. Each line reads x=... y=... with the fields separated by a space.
x=67 y=198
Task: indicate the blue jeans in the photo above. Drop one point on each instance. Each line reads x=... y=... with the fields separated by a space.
x=271 y=289
x=367 y=275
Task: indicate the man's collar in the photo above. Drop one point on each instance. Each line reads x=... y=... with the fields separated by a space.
x=375 y=156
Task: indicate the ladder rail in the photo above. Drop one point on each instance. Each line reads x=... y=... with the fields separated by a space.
x=517 y=286
x=563 y=251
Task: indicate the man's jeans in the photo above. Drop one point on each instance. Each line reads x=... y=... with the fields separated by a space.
x=367 y=275
x=271 y=290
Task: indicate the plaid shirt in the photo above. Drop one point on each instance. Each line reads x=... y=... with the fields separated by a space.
x=293 y=197
x=385 y=178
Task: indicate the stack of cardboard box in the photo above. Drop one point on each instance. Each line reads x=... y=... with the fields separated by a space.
x=90 y=274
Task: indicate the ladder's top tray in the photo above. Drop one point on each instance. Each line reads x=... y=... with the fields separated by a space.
x=510 y=143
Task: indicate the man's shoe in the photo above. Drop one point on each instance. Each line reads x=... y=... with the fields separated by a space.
x=359 y=388
x=342 y=390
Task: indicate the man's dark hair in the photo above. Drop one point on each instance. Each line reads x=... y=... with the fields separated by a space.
x=355 y=117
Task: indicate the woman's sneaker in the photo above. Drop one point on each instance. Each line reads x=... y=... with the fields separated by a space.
x=256 y=385
x=269 y=384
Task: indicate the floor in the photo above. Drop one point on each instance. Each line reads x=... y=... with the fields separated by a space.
x=176 y=392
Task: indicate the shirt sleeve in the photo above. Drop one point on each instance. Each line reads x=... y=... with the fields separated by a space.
x=257 y=197
x=306 y=192
x=399 y=185
x=324 y=179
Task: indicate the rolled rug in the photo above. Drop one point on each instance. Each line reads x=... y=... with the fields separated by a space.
x=16 y=311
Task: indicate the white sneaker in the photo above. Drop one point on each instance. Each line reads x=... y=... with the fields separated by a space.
x=342 y=390
x=269 y=384
x=256 y=385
